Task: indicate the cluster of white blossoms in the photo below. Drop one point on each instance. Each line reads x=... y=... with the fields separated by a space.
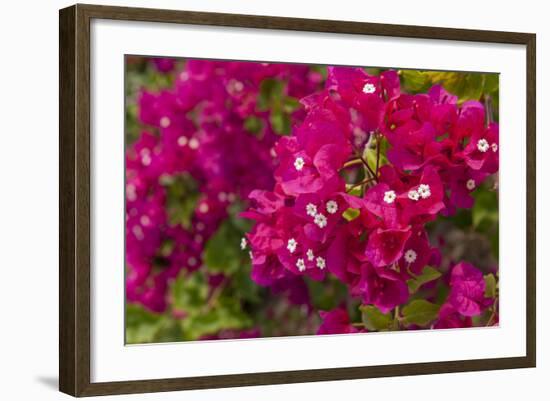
x=291 y=245
x=483 y=146
x=389 y=196
x=369 y=88
x=319 y=218
x=423 y=191
x=410 y=256
x=299 y=164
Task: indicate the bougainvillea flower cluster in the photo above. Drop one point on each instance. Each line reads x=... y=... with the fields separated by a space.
x=370 y=231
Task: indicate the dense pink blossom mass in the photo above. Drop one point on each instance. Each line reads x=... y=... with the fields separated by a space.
x=349 y=193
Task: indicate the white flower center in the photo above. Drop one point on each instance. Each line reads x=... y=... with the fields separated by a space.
x=222 y=196
x=311 y=209
x=182 y=141
x=369 y=88
x=145 y=159
x=410 y=256
x=470 y=184
x=494 y=146
x=131 y=192
x=332 y=207
x=310 y=255
x=145 y=220
x=165 y=122
x=203 y=208
x=299 y=163
x=389 y=196
x=483 y=145
x=193 y=143
x=424 y=191
x=291 y=245
x=244 y=243
x=320 y=262
x=320 y=220
x=413 y=195
x=300 y=264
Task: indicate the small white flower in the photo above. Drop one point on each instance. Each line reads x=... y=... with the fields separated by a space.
x=311 y=209
x=291 y=245
x=320 y=262
x=145 y=159
x=470 y=184
x=193 y=143
x=310 y=255
x=165 y=122
x=145 y=220
x=182 y=141
x=494 y=147
x=320 y=220
x=131 y=192
x=332 y=207
x=389 y=196
x=413 y=195
x=192 y=261
x=244 y=243
x=250 y=255
x=483 y=145
x=203 y=208
x=138 y=232
x=369 y=88
x=424 y=191
x=410 y=256
x=299 y=163
x=300 y=264
x=222 y=196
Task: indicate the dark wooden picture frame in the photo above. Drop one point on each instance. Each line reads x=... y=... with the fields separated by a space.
x=74 y=199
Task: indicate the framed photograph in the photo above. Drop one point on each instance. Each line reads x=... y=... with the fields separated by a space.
x=249 y=200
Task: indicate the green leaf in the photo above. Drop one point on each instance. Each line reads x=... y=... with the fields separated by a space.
x=280 y=122
x=485 y=209
x=181 y=198
x=253 y=125
x=374 y=319
x=415 y=80
x=327 y=294
x=189 y=291
x=143 y=326
x=428 y=274
x=490 y=286
x=351 y=214
x=227 y=315
x=420 y=312
x=222 y=252
x=271 y=91
x=490 y=83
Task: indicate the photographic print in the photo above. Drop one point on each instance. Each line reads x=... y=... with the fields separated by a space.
x=271 y=199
